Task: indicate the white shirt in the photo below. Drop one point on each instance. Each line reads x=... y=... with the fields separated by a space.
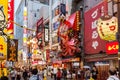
x=35 y=77
x=55 y=70
x=113 y=78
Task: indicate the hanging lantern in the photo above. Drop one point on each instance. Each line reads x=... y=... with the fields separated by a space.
x=107 y=27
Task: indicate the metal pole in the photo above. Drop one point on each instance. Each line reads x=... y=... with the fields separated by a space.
x=81 y=34
x=118 y=8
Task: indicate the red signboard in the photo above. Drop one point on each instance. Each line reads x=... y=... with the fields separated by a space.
x=93 y=44
x=10 y=16
x=47 y=54
x=39 y=28
x=112 y=48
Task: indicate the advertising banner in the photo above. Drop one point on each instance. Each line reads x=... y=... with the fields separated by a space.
x=92 y=42
x=12 y=49
x=10 y=16
x=112 y=47
x=39 y=28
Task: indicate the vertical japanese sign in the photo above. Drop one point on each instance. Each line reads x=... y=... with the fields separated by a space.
x=39 y=32
x=92 y=41
x=12 y=49
x=25 y=25
x=48 y=55
x=10 y=27
x=46 y=34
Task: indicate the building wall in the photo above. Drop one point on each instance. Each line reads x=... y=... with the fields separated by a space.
x=18 y=31
x=88 y=4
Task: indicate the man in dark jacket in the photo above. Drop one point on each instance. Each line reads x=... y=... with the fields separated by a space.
x=25 y=75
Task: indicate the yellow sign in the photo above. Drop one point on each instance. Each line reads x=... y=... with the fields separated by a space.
x=3 y=46
x=4 y=3
x=107 y=27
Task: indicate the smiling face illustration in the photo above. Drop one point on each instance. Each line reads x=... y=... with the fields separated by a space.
x=107 y=28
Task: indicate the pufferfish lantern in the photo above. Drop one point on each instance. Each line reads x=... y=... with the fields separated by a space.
x=107 y=27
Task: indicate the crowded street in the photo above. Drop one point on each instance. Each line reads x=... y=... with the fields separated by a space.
x=59 y=39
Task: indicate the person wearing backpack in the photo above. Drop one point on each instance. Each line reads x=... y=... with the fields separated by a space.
x=35 y=75
x=59 y=74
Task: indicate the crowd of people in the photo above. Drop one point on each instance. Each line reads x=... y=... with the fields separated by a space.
x=78 y=74
x=57 y=74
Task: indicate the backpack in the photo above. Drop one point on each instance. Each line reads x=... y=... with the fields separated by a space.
x=59 y=74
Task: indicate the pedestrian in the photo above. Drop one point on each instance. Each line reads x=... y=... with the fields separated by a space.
x=51 y=73
x=117 y=71
x=18 y=75
x=45 y=74
x=59 y=74
x=87 y=74
x=55 y=72
x=64 y=73
x=25 y=75
x=79 y=74
x=35 y=75
x=112 y=74
x=13 y=74
x=94 y=73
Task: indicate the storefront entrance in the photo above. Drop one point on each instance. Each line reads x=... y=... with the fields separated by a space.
x=103 y=71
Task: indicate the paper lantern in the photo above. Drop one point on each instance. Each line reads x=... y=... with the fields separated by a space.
x=107 y=27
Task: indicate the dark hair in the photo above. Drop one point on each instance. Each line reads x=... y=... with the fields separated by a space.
x=34 y=71
x=4 y=78
x=112 y=72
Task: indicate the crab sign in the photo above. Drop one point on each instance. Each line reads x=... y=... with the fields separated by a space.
x=68 y=43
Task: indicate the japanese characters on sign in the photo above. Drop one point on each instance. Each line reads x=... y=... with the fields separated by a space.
x=12 y=48
x=10 y=16
x=93 y=43
x=112 y=48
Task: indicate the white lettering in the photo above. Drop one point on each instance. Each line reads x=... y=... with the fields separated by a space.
x=94 y=14
x=94 y=35
x=94 y=24
x=95 y=44
x=9 y=25
x=102 y=11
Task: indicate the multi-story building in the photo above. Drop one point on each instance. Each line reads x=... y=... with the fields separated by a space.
x=27 y=19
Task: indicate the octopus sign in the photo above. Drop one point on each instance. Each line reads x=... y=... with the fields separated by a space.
x=107 y=27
